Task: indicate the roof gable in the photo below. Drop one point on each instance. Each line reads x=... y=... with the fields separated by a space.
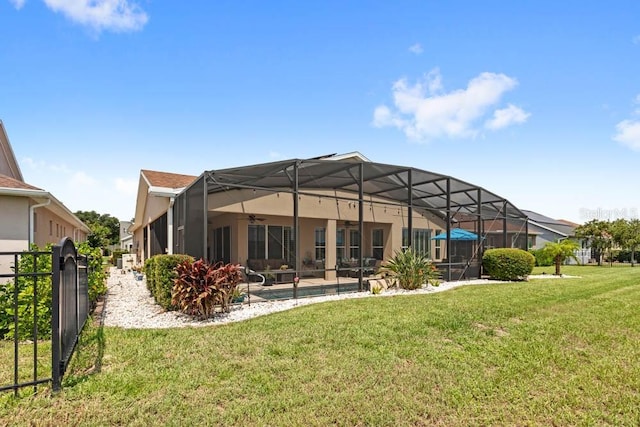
x=8 y=163
x=167 y=179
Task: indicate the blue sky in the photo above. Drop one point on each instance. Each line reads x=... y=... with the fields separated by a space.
x=538 y=102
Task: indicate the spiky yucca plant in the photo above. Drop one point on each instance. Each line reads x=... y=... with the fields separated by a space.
x=410 y=270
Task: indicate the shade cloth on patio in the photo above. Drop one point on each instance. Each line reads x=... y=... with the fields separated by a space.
x=457 y=234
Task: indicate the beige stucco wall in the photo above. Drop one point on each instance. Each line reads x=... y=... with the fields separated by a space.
x=138 y=244
x=155 y=208
x=14 y=228
x=14 y=218
x=51 y=228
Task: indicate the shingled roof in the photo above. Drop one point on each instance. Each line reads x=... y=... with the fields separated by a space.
x=166 y=179
x=8 y=182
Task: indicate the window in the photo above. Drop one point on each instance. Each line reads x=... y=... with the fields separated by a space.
x=438 y=246
x=221 y=245
x=50 y=228
x=405 y=239
x=270 y=242
x=321 y=243
x=354 y=244
x=340 y=244
x=420 y=241
x=257 y=242
x=377 y=243
x=57 y=230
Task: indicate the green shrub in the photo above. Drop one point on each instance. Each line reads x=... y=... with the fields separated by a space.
x=411 y=270
x=149 y=272
x=201 y=287
x=117 y=254
x=96 y=288
x=26 y=287
x=96 y=274
x=161 y=274
x=508 y=263
x=543 y=259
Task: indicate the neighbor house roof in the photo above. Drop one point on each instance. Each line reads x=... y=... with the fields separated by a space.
x=557 y=226
x=8 y=182
x=8 y=163
x=12 y=184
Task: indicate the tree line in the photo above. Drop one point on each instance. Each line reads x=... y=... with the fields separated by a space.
x=605 y=236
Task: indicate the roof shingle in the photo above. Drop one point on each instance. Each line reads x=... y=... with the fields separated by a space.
x=167 y=180
x=8 y=182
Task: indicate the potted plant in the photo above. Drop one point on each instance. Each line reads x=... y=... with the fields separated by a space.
x=237 y=296
x=269 y=277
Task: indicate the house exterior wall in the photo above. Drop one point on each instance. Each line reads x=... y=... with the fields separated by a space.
x=233 y=208
x=14 y=228
x=138 y=244
x=51 y=228
x=543 y=236
x=155 y=207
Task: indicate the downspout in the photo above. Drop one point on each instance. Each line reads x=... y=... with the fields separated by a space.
x=170 y=226
x=32 y=212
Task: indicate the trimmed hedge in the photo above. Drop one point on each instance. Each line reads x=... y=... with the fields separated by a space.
x=160 y=271
x=508 y=263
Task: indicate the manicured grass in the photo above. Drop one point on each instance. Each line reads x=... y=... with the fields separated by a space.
x=544 y=352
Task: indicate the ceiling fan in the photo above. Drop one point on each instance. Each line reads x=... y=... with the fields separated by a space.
x=252 y=218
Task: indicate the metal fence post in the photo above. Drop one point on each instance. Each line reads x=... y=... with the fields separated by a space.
x=55 y=318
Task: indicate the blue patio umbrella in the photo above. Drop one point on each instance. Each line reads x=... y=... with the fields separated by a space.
x=456 y=234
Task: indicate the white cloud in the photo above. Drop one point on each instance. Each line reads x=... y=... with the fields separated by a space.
x=416 y=48
x=80 y=179
x=425 y=111
x=114 y=15
x=506 y=117
x=628 y=133
x=17 y=3
x=127 y=186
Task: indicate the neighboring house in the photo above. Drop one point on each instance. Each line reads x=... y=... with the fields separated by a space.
x=29 y=214
x=126 y=236
x=548 y=230
x=315 y=214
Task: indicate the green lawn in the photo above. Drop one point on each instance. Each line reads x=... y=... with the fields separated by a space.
x=544 y=352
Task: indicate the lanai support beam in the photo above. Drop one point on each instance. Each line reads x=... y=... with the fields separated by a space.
x=410 y=207
x=504 y=225
x=448 y=251
x=205 y=207
x=480 y=250
x=360 y=222
x=296 y=225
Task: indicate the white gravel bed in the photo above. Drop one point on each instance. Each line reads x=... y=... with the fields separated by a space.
x=128 y=304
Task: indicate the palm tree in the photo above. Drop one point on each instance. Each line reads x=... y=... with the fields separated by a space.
x=560 y=251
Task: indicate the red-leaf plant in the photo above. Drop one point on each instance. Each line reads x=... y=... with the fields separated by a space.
x=201 y=288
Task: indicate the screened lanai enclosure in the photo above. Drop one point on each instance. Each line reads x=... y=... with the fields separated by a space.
x=335 y=222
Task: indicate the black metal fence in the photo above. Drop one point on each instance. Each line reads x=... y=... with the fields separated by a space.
x=46 y=295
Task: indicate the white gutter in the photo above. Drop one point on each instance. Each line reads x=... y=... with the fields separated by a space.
x=32 y=214
x=170 y=226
